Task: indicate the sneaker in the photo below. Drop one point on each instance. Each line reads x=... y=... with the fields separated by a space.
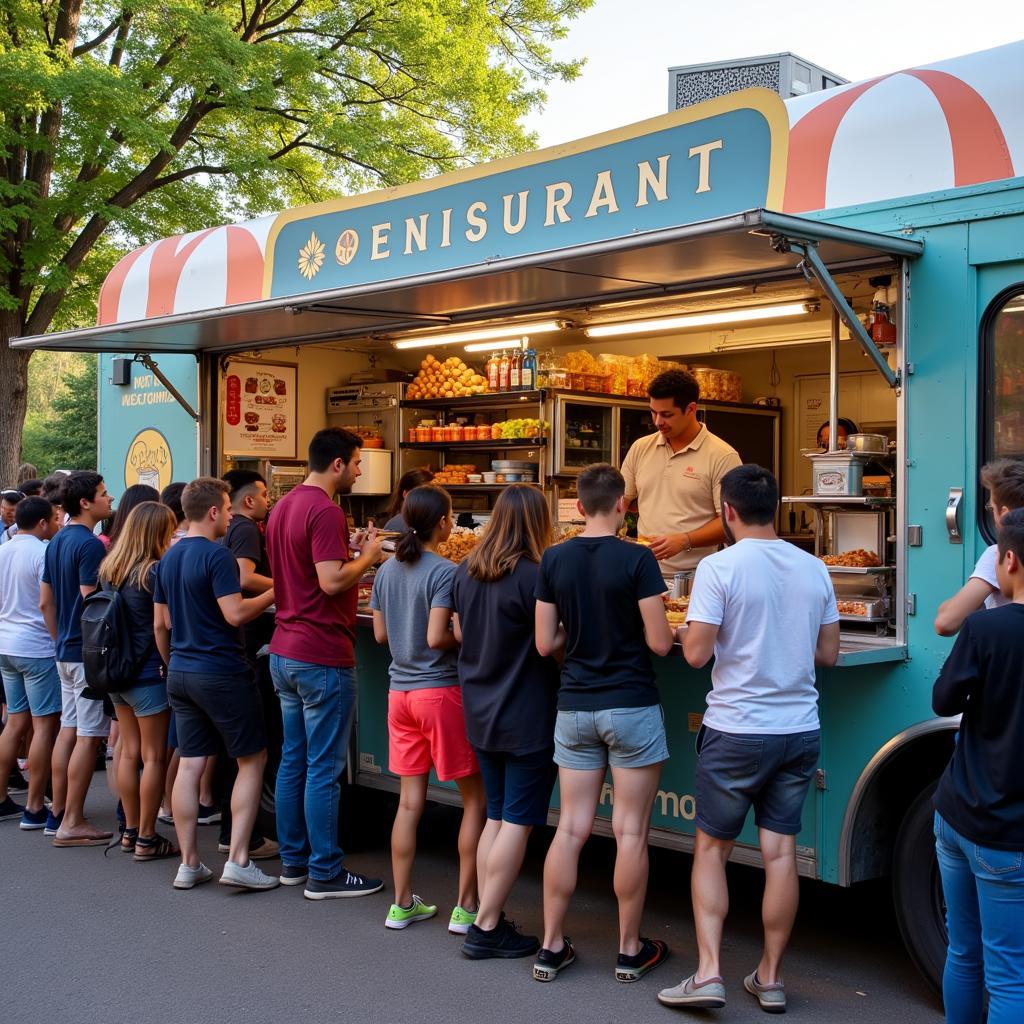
x=208 y=815
x=293 y=875
x=548 y=964
x=461 y=921
x=259 y=848
x=9 y=809
x=771 y=998
x=632 y=968
x=402 y=917
x=53 y=822
x=247 y=876
x=189 y=878
x=16 y=782
x=165 y=819
x=22 y=764
x=32 y=820
x=344 y=885
x=504 y=941
x=707 y=995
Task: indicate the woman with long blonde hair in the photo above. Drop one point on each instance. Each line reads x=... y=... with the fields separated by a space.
x=508 y=694
x=142 y=709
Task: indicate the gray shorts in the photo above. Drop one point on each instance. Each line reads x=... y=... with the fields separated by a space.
x=620 y=737
x=770 y=773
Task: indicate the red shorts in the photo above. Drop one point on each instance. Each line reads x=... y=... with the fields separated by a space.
x=426 y=728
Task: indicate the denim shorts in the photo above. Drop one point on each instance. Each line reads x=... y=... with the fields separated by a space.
x=770 y=773
x=518 y=786
x=620 y=737
x=148 y=697
x=32 y=684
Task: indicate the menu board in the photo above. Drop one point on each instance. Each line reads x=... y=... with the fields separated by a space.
x=260 y=410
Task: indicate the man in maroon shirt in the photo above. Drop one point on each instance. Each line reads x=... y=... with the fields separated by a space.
x=312 y=660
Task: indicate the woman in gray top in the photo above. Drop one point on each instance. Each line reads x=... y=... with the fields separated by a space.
x=412 y=611
x=413 y=478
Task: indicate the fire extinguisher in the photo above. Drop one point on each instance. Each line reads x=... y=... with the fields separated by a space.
x=880 y=325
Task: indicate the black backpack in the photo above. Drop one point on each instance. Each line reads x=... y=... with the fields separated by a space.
x=110 y=650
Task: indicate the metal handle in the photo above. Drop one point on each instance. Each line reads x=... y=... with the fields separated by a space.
x=953 y=502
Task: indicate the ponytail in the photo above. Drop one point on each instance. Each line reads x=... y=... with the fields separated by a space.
x=424 y=508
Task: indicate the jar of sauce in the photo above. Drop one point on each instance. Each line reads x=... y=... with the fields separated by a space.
x=469 y=432
x=455 y=432
x=437 y=434
x=413 y=435
x=422 y=433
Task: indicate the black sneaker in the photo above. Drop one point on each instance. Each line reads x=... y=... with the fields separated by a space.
x=632 y=968
x=292 y=874
x=548 y=964
x=344 y=884
x=16 y=782
x=9 y=809
x=504 y=941
x=208 y=815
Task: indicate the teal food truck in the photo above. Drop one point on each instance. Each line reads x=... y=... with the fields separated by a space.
x=857 y=252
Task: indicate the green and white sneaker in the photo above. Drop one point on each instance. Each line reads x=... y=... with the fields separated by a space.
x=461 y=920
x=402 y=917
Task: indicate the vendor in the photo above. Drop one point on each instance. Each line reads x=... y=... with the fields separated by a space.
x=413 y=478
x=675 y=476
x=844 y=428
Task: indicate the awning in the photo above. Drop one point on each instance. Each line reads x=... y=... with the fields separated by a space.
x=744 y=248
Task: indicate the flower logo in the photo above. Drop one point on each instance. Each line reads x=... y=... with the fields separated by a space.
x=311 y=257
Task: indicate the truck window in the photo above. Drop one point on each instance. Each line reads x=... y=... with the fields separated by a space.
x=1002 y=397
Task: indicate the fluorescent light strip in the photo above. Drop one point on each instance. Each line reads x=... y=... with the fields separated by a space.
x=508 y=332
x=724 y=316
x=490 y=346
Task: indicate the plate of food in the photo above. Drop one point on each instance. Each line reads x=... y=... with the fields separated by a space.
x=676 y=610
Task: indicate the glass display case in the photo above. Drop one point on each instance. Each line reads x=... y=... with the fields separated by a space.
x=583 y=433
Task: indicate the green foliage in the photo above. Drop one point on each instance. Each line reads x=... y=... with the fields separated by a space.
x=60 y=427
x=147 y=118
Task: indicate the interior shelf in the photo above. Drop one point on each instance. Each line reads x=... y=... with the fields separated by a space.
x=477 y=446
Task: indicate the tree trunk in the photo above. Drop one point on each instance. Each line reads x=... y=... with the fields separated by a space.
x=14 y=375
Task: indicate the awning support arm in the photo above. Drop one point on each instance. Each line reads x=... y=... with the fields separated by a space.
x=812 y=263
x=147 y=362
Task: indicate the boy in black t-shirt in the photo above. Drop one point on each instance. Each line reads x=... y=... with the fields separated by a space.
x=605 y=595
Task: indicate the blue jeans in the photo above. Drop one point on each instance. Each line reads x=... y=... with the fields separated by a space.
x=984 y=890
x=317 y=702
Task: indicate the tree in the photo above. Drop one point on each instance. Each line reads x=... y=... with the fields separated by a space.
x=125 y=121
x=60 y=428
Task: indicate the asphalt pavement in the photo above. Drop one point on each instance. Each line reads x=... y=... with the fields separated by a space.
x=86 y=939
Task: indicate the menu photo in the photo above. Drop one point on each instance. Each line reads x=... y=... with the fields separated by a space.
x=259 y=412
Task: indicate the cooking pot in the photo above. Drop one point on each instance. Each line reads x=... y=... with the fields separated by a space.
x=875 y=444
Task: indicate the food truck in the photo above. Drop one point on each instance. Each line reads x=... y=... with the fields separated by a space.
x=854 y=253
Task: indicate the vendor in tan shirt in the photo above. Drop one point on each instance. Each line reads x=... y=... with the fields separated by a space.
x=675 y=476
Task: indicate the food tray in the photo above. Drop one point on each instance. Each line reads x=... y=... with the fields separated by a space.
x=860 y=570
x=875 y=609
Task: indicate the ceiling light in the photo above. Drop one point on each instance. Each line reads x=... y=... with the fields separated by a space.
x=508 y=332
x=490 y=346
x=721 y=316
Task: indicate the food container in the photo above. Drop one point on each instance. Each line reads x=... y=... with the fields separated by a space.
x=423 y=433
x=455 y=431
x=475 y=478
x=469 y=432
x=558 y=377
x=373 y=442
x=521 y=465
x=490 y=478
x=499 y=478
x=437 y=434
x=840 y=474
x=876 y=444
x=718 y=385
x=412 y=435
x=513 y=478
x=529 y=478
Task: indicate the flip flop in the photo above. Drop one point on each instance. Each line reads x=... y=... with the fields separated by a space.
x=98 y=839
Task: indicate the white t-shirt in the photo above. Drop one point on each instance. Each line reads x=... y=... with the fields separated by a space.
x=23 y=632
x=986 y=570
x=769 y=600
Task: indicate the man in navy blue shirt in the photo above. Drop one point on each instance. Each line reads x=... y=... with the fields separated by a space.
x=71 y=573
x=198 y=612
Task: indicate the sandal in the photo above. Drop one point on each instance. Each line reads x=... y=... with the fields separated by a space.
x=125 y=842
x=154 y=847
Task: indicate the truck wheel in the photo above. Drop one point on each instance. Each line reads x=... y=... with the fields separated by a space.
x=917 y=890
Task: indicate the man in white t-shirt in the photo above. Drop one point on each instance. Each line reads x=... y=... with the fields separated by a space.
x=767 y=612
x=1004 y=481
x=27 y=659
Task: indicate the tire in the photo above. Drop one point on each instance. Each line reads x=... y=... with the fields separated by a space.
x=917 y=890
